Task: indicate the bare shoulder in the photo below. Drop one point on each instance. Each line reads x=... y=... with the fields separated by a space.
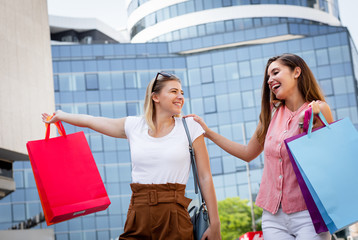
x=326 y=111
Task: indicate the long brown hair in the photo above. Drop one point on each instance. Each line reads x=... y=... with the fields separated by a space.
x=149 y=107
x=307 y=85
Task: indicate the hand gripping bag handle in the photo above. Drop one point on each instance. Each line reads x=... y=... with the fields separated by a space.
x=308 y=120
x=61 y=129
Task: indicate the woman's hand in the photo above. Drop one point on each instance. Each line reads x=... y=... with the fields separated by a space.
x=55 y=117
x=212 y=233
x=317 y=107
x=200 y=121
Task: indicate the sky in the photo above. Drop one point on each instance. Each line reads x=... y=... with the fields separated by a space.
x=113 y=12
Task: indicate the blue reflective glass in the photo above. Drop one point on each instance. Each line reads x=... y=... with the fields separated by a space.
x=6 y=215
x=216 y=166
x=244 y=69
x=94 y=109
x=90 y=66
x=206 y=75
x=103 y=65
x=96 y=143
x=64 y=66
x=91 y=81
x=18 y=211
x=208 y=89
x=209 y=105
x=132 y=109
x=77 y=66
x=322 y=56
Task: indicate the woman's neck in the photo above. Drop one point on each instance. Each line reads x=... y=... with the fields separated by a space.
x=294 y=102
x=163 y=126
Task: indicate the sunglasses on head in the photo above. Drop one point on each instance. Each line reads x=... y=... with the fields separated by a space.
x=164 y=74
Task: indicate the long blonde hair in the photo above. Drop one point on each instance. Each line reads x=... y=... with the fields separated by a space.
x=149 y=107
x=307 y=85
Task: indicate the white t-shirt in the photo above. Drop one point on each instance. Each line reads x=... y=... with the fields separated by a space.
x=160 y=160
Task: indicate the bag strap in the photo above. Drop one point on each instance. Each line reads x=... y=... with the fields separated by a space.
x=308 y=120
x=193 y=162
x=60 y=128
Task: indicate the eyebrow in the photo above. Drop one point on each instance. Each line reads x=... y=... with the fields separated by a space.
x=176 y=89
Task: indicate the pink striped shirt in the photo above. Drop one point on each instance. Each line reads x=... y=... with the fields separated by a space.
x=279 y=184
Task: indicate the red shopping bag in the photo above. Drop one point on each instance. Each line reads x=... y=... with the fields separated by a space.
x=66 y=175
x=252 y=236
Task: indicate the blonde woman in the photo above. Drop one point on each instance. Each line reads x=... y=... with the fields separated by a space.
x=160 y=163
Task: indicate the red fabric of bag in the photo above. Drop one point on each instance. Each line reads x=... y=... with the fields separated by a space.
x=67 y=177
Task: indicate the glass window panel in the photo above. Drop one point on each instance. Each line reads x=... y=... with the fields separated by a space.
x=223 y=103
x=56 y=83
x=18 y=211
x=235 y=101
x=335 y=55
x=248 y=99
x=206 y=75
x=111 y=173
x=339 y=85
x=31 y=194
x=257 y=67
x=94 y=109
x=197 y=106
x=91 y=81
x=29 y=179
x=18 y=195
x=132 y=109
x=91 y=66
x=194 y=76
x=322 y=57
x=6 y=214
x=120 y=110
x=309 y=57
x=219 y=72
x=226 y=131
x=130 y=80
x=216 y=166
x=78 y=82
x=232 y=72
x=107 y=110
x=102 y=223
x=64 y=82
x=19 y=179
x=250 y=128
x=96 y=143
x=209 y=105
x=64 y=66
x=125 y=173
x=117 y=80
x=208 y=89
x=229 y=164
x=104 y=80
x=244 y=69
x=77 y=66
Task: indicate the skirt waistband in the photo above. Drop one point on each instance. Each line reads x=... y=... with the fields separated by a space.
x=153 y=194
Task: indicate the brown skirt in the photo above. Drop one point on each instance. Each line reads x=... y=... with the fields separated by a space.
x=158 y=211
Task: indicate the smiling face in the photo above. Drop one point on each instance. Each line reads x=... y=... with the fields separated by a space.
x=282 y=80
x=170 y=99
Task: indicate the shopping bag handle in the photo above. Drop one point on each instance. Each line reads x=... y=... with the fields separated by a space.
x=310 y=125
x=60 y=128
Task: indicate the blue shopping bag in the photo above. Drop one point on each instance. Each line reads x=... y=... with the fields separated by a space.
x=327 y=160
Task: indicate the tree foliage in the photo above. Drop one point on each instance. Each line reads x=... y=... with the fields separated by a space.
x=235 y=217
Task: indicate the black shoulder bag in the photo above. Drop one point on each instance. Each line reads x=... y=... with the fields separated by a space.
x=200 y=217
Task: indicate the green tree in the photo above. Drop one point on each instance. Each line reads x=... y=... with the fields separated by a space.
x=235 y=217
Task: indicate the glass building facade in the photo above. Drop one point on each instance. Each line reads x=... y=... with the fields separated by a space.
x=222 y=75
